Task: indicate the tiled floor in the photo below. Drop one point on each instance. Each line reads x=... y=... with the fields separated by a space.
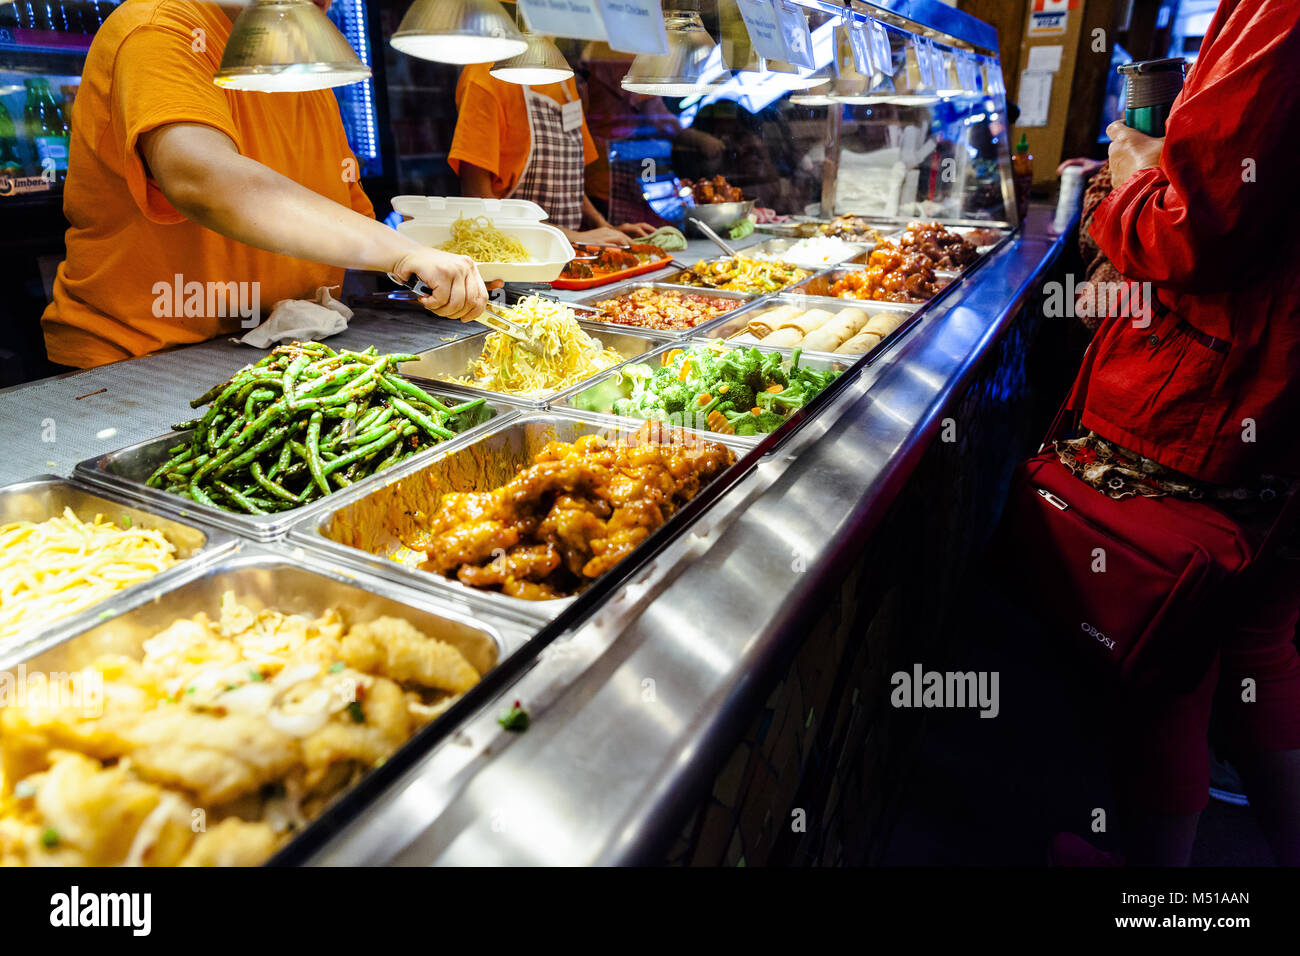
x=993 y=791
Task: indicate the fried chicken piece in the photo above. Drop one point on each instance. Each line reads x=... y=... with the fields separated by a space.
x=216 y=758
x=531 y=563
x=530 y=590
x=233 y=842
x=384 y=726
x=395 y=648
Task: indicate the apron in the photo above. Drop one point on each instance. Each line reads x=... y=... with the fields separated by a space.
x=552 y=176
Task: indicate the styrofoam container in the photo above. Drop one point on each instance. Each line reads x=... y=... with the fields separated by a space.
x=432 y=216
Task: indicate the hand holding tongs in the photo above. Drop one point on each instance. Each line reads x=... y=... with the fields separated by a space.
x=493 y=320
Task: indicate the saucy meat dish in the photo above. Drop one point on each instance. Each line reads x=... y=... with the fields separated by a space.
x=892 y=275
x=944 y=248
x=578 y=510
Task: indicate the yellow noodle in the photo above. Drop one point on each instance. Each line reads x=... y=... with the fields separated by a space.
x=54 y=568
x=479 y=239
x=506 y=366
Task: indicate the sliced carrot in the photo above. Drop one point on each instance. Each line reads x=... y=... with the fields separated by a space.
x=755 y=411
x=704 y=399
x=671 y=356
x=774 y=388
x=685 y=372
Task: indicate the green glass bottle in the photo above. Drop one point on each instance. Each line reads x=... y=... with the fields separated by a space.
x=11 y=159
x=46 y=127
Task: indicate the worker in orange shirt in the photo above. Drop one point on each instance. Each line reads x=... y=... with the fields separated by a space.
x=530 y=142
x=173 y=179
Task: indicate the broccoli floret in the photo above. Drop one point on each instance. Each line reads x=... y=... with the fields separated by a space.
x=768 y=421
x=676 y=396
x=626 y=407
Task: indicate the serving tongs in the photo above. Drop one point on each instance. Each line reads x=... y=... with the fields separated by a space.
x=492 y=319
x=717 y=239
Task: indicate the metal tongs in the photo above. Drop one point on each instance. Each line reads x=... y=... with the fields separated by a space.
x=717 y=239
x=492 y=319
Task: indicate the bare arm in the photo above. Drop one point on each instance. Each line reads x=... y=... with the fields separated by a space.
x=202 y=174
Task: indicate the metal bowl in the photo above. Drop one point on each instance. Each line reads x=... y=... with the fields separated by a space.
x=718 y=216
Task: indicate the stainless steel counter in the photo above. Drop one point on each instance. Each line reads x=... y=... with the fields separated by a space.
x=636 y=709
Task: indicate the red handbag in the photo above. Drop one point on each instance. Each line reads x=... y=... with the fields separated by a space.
x=1136 y=584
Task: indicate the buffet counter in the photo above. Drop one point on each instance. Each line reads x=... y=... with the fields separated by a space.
x=636 y=707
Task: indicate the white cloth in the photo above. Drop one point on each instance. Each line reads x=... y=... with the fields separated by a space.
x=301 y=320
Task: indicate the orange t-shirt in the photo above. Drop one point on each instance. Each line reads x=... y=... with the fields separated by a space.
x=151 y=64
x=492 y=126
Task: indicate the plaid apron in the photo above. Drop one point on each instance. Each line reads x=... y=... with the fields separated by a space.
x=552 y=177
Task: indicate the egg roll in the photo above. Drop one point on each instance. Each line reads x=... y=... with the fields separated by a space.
x=770 y=319
x=807 y=322
x=784 y=338
x=882 y=323
x=860 y=344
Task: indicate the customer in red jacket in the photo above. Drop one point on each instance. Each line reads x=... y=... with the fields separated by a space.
x=1201 y=398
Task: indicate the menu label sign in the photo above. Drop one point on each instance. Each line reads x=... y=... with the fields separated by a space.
x=577 y=19
x=794 y=34
x=764 y=31
x=635 y=26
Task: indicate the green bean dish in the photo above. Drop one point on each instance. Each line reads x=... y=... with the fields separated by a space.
x=303 y=422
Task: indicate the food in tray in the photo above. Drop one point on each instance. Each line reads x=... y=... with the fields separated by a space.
x=739 y=391
x=54 y=568
x=663 y=309
x=505 y=365
x=891 y=275
x=741 y=274
x=482 y=241
x=302 y=423
x=851 y=229
x=706 y=192
x=944 y=248
x=847 y=332
x=593 y=262
x=815 y=252
x=764 y=215
x=983 y=236
x=258 y=719
x=569 y=517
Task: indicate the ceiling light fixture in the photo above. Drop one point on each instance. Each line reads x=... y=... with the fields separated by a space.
x=542 y=62
x=693 y=64
x=287 y=46
x=458 y=31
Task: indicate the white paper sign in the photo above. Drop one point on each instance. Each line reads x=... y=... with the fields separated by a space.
x=764 y=31
x=860 y=44
x=577 y=19
x=635 y=26
x=793 y=24
x=1044 y=59
x=881 y=55
x=920 y=49
x=1035 y=98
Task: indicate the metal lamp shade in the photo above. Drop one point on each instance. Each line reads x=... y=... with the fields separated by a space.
x=287 y=46
x=693 y=64
x=458 y=31
x=541 y=63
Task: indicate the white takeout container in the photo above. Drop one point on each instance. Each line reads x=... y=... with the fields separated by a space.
x=430 y=224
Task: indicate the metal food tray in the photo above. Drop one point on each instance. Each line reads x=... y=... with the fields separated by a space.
x=671 y=279
x=742 y=300
x=348 y=536
x=47 y=496
x=454 y=358
x=126 y=470
x=733 y=326
x=774 y=247
x=592 y=399
x=820 y=284
x=261 y=579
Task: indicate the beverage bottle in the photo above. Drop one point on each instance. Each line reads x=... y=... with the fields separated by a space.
x=1022 y=169
x=11 y=160
x=46 y=126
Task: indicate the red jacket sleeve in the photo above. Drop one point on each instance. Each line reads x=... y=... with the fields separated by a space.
x=1226 y=185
